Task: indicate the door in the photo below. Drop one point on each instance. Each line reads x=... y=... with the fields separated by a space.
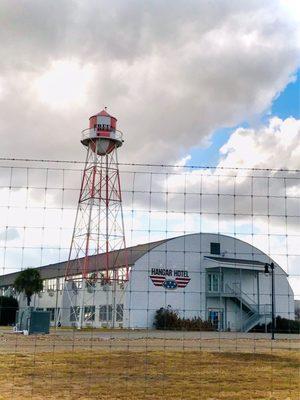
x=215 y=317
x=213 y=283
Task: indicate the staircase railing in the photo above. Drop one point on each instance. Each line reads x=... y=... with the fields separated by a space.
x=255 y=312
x=242 y=296
x=264 y=310
x=250 y=322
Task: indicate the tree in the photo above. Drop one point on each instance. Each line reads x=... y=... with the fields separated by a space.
x=28 y=281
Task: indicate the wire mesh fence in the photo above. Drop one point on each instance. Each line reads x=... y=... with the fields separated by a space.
x=213 y=255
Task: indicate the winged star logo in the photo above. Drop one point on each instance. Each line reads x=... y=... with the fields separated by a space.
x=171 y=284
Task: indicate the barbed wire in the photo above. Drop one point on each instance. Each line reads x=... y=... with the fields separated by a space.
x=204 y=167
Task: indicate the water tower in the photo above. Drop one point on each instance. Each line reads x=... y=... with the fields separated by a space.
x=99 y=225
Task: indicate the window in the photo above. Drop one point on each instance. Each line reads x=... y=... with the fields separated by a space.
x=119 y=314
x=89 y=313
x=39 y=309
x=74 y=313
x=61 y=282
x=105 y=313
x=51 y=284
x=77 y=281
x=215 y=248
x=213 y=282
x=52 y=313
x=102 y=313
x=109 y=313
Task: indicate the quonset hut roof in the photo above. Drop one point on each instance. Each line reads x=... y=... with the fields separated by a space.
x=117 y=259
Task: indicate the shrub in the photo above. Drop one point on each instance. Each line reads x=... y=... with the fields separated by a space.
x=283 y=325
x=8 y=309
x=168 y=319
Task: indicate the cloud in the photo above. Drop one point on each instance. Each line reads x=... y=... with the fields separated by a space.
x=64 y=85
x=172 y=72
x=250 y=198
x=276 y=145
x=9 y=234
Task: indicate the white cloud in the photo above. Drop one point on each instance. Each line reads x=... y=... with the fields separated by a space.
x=172 y=72
x=276 y=145
x=64 y=85
x=9 y=234
x=183 y=161
x=292 y=8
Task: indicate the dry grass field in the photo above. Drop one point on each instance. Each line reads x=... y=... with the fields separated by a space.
x=83 y=367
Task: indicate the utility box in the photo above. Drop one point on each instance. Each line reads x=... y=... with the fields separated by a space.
x=32 y=322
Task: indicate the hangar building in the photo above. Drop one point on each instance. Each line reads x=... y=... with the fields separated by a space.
x=216 y=277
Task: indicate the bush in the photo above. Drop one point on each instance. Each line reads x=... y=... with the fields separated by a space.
x=168 y=319
x=8 y=309
x=283 y=325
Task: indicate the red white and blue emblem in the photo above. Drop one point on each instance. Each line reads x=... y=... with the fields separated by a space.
x=178 y=282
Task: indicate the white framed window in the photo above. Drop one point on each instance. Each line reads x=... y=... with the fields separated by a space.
x=89 y=313
x=119 y=312
x=61 y=283
x=105 y=313
x=74 y=313
x=51 y=284
x=52 y=313
x=213 y=282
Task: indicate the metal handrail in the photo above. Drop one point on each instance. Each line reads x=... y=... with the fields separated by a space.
x=253 y=318
x=91 y=133
x=240 y=293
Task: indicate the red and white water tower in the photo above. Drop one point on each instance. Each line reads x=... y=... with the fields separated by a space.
x=99 y=224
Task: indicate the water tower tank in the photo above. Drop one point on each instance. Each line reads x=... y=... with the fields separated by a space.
x=102 y=134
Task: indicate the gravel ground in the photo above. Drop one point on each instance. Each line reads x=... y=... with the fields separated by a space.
x=64 y=340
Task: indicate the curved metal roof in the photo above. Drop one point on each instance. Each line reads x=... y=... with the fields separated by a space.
x=96 y=263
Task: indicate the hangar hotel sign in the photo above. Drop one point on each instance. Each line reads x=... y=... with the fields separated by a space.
x=169 y=278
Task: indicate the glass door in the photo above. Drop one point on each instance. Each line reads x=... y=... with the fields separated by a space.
x=216 y=318
x=213 y=282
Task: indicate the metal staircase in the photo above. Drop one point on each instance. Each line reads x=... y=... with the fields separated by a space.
x=253 y=311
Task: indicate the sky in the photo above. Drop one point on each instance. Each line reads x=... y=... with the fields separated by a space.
x=181 y=76
x=207 y=83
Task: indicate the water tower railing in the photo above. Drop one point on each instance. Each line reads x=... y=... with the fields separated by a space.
x=91 y=133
